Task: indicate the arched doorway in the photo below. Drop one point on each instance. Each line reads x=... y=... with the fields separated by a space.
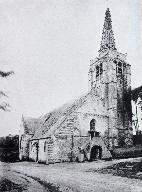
x=96 y=153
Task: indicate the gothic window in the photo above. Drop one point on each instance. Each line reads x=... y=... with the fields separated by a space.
x=115 y=61
x=118 y=67
x=97 y=71
x=92 y=125
x=124 y=65
x=101 y=68
x=119 y=64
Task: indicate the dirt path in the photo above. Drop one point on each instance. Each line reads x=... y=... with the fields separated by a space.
x=16 y=182
x=74 y=177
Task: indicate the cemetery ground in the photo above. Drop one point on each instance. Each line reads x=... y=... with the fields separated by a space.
x=98 y=176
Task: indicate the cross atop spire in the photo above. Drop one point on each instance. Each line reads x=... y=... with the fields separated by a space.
x=108 y=41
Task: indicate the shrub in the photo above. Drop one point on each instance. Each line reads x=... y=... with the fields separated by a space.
x=127 y=152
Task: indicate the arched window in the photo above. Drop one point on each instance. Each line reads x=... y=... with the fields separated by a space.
x=97 y=71
x=115 y=61
x=101 y=68
x=92 y=125
x=119 y=67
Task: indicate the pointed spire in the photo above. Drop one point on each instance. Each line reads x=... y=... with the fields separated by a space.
x=108 y=41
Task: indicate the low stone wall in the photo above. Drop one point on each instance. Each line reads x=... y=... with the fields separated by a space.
x=68 y=149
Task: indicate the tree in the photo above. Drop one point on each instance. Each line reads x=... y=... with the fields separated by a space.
x=137 y=99
x=3 y=105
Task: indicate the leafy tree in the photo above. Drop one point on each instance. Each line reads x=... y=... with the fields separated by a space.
x=3 y=105
x=137 y=99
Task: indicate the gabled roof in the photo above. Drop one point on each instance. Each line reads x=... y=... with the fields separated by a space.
x=52 y=120
x=31 y=124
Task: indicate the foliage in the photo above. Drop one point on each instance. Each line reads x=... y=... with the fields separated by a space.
x=6 y=74
x=124 y=169
x=9 y=148
x=127 y=152
x=137 y=98
x=7 y=185
x=136 y=93
x=4 y=106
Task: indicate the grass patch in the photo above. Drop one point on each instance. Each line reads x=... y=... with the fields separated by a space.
x=7 y=185
x=127 y=152
x=124 y=169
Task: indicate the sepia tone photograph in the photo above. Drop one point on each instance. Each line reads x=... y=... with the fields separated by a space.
x=70 y=96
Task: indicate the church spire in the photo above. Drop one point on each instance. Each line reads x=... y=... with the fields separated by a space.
x=108 y=41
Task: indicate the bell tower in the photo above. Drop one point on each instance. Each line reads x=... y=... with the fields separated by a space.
x=110 y=79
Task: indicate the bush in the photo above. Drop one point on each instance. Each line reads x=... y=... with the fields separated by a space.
x=127 y=152
x=9 y=148
x=9 y=155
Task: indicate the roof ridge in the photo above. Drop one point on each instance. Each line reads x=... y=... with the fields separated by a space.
x=63 y=114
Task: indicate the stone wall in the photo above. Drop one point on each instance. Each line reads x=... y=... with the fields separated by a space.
x=33 y=150
x=24 y=146
x=73 y=134
x=69 y=148
x=115 y=83
x=42 y=150
x=66 y=148
x=84 y=120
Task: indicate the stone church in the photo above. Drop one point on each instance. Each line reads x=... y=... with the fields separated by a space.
x=92 y=126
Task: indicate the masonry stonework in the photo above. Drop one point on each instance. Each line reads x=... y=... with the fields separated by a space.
x=93 y=125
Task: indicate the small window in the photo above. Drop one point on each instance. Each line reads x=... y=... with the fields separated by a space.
x=119 y=68
x=92 y=125
x=115 y=61
x=44 y=146
x=97 y=134
x=101 y=68
x=97 y=71
x=119 y=64
x=124 y=65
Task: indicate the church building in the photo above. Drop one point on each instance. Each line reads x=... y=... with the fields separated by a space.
x=92 y=126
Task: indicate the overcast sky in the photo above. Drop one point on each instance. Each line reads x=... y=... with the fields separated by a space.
x=49 y=43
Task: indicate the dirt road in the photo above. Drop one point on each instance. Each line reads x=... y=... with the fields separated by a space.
x=69 y=177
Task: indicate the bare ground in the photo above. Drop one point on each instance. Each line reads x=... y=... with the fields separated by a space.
x=67 y=177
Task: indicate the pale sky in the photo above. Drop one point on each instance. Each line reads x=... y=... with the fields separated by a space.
x=49 y=44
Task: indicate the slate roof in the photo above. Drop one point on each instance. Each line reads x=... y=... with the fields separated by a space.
x=46 y=125
x=52 y=120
